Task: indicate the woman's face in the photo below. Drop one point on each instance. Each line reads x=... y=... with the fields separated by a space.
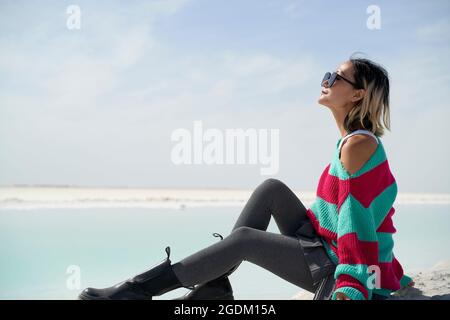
x=342 y=94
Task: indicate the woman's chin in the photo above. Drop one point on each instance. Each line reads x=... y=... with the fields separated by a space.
x=322 y=100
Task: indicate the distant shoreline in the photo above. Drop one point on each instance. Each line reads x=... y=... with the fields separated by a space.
x=37 y=197
x=112 y=187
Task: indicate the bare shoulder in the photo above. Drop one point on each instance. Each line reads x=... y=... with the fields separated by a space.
x=356 y=151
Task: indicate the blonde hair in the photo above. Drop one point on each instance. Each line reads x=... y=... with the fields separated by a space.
x=369 y=112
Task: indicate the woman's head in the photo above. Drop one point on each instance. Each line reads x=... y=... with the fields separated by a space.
x=360 y=89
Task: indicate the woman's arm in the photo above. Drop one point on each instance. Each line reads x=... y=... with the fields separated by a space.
x=357 y=250
x=357 y=240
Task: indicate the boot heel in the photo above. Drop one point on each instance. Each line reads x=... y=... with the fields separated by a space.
x=154 y=282
x=227 y=297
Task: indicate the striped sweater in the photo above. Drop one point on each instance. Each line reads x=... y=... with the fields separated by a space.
x=353 y=216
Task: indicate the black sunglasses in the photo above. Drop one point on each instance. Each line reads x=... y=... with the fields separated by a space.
x=331 y=78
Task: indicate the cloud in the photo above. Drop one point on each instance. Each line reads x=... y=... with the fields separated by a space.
x=98 y=106
x=74 y=68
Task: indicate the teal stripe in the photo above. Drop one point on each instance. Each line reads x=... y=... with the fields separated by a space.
x=405 y=280
x=385 y=246
x=365 y=221
x=353 y=217
x=326 y=213
x=350 y=292
x=382 y=204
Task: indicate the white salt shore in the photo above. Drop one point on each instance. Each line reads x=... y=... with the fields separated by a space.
x=35 y=197
x=431 y=284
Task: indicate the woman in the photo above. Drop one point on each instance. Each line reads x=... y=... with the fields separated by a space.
x=339 y=248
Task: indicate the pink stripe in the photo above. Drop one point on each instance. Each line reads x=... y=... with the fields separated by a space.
x=367 y=186
x=364 y=188
x=327 y=188
x=389 y=279
x=345 y=280
x=398 y=270
x=313 y=219
x=351 y=250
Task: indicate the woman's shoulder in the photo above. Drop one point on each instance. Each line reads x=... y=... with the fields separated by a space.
x=361 y=141
x=356 y=151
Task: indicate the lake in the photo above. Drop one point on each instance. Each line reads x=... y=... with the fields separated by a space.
x=42 y=247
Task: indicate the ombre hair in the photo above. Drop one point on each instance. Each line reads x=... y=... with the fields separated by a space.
x=369 y=112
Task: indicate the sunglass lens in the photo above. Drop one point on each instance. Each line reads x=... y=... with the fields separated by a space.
x=326 y=77
x=332 y=79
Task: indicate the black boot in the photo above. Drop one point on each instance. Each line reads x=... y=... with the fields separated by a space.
x=154 y=282
x=216 y=289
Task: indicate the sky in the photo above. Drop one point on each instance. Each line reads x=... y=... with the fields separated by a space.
x=97 y=105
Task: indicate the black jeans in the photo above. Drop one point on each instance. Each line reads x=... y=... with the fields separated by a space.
x=297 y=257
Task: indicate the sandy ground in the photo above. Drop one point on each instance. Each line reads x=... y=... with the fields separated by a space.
x=431 y=284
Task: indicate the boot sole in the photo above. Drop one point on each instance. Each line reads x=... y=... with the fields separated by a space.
x=87 y=297
x=83 y=296
x=225 y=297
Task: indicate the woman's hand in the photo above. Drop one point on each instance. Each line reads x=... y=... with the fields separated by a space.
x=341 y=296
x=411 y=284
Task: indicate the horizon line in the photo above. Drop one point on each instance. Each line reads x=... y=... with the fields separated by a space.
x=66 y=186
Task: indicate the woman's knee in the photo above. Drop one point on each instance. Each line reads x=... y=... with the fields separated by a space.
x=244 y=236
x=245 y=239
x=272 y=185
x=243 y=232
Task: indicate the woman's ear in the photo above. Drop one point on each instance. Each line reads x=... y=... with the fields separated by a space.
x=358 y=95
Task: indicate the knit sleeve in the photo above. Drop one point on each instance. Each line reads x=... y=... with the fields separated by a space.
x=357 y=246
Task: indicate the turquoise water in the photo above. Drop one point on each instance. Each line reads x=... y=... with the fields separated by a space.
x=110 y=245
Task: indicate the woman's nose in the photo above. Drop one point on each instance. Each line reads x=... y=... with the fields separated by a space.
x=325 y=83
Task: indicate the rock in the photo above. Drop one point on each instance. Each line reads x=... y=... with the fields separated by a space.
x=431 y=284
